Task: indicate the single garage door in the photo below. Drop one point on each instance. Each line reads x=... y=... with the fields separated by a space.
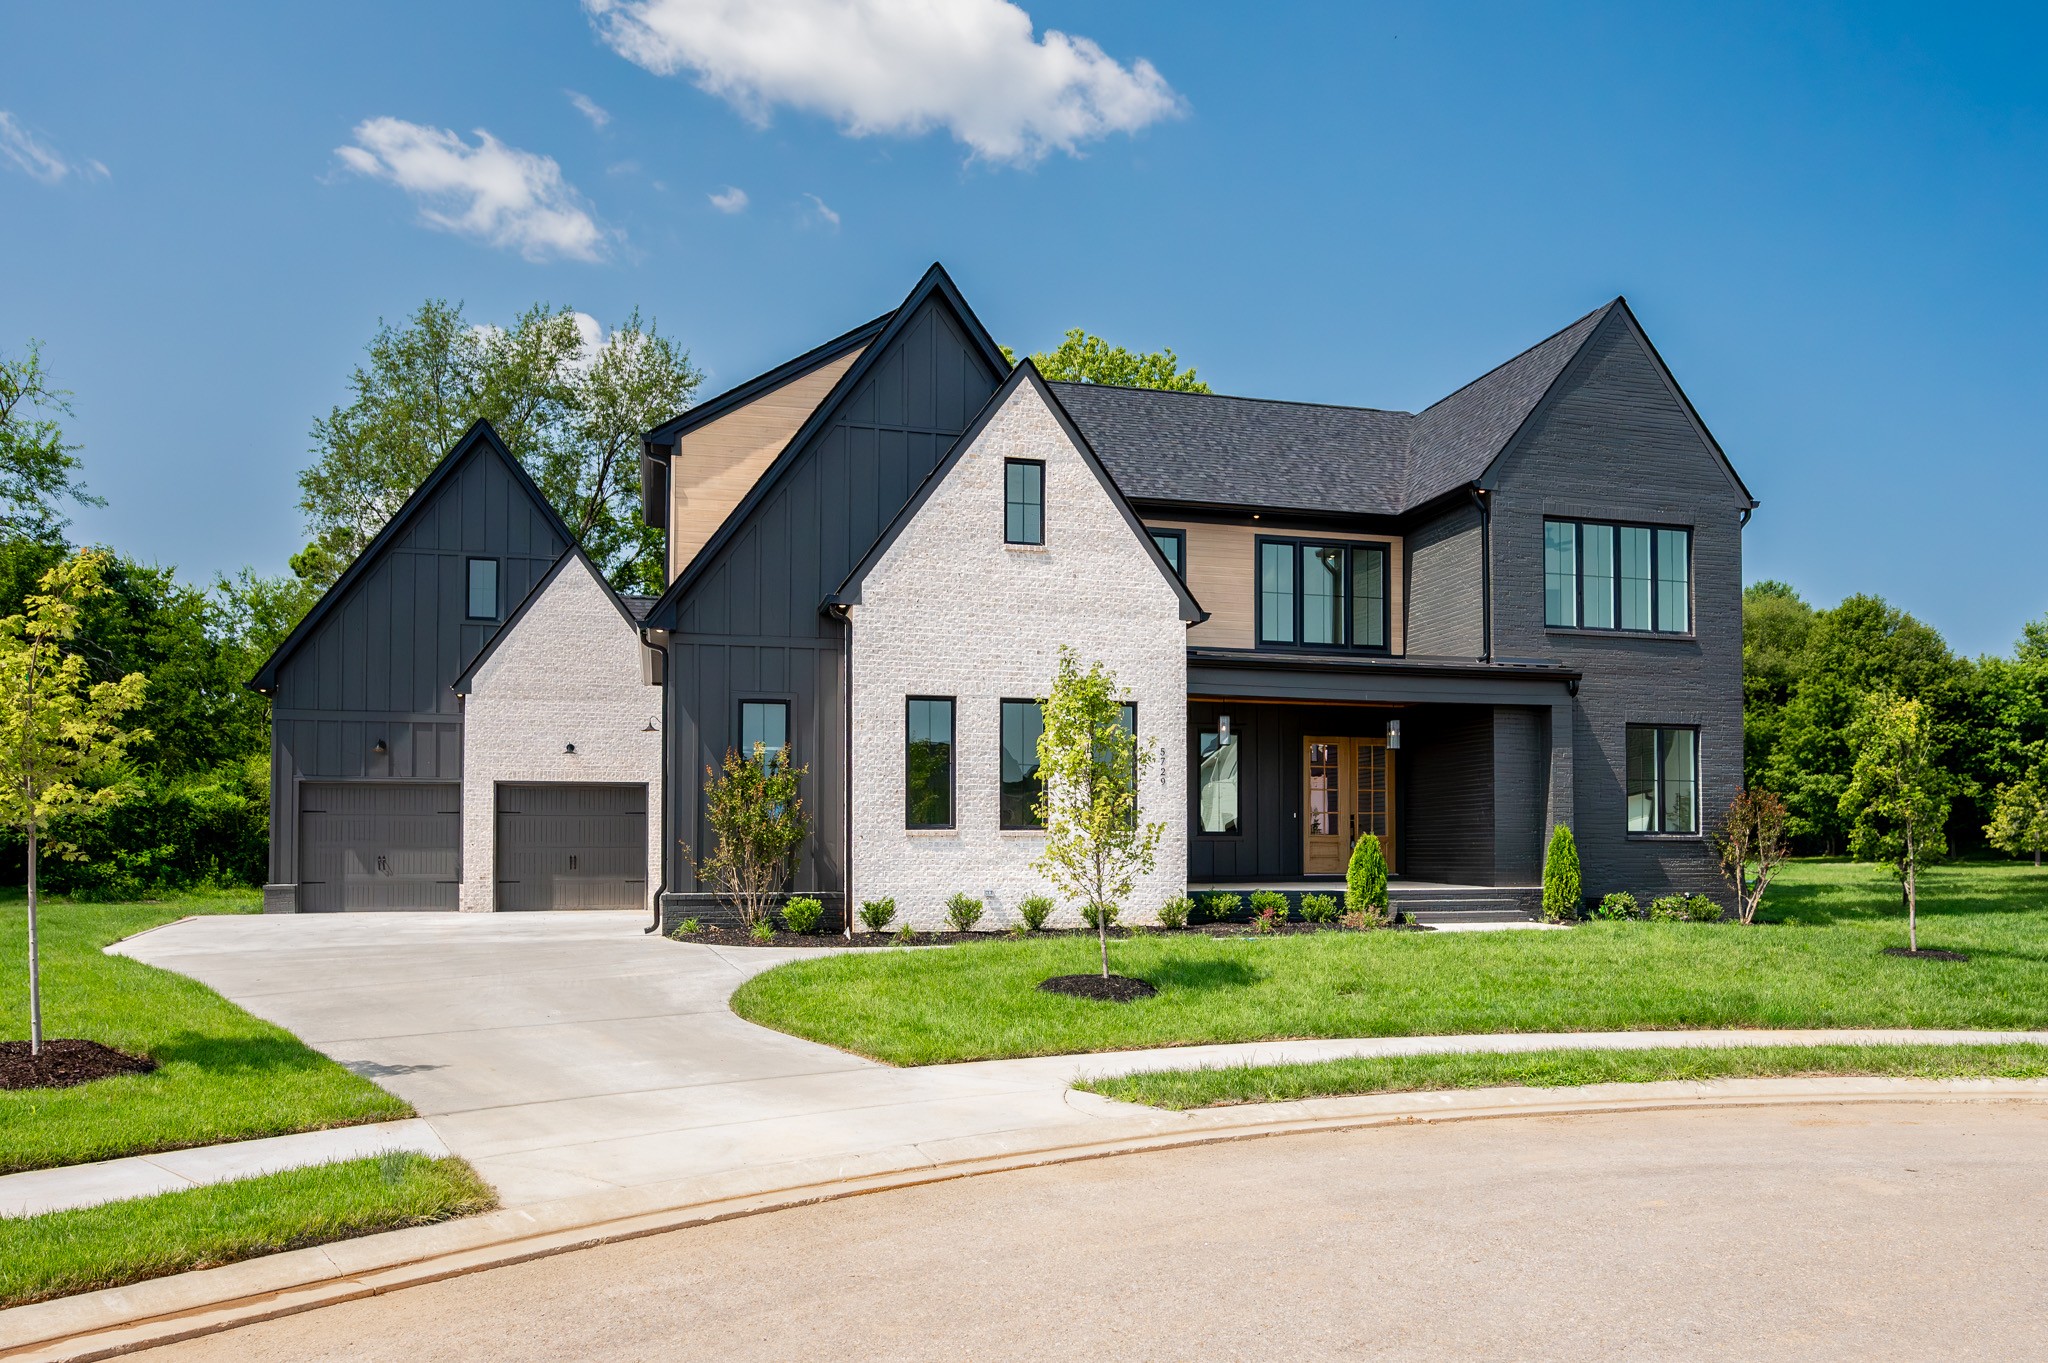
x=379 y=845
x=572 y=847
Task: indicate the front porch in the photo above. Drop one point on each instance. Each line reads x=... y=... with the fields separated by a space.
x=1423 y=901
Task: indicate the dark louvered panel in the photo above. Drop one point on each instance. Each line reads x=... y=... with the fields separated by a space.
x=566 y=846
x=379 y=846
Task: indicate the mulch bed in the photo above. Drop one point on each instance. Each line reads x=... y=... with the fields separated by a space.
x=1926 y=954
x=64 y=1062
x=710 y=935
x=1105 y=988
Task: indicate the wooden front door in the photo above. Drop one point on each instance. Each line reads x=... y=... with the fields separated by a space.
x=1347 y=792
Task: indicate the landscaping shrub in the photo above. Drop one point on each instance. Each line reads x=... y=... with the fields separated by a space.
x=963 y=912
x=1618 y=906
x=877 y=914
x=1319 y=908
x=1561 y=887
x=1684 y=908
x=1220 y=906
x=1088 y=917
x=1174 y=912
x=1034 y=910
x=803 y=914
x=1365 y=880
x=763 y=930
x=1269 y=910
x=905 y=935
x=689 y=927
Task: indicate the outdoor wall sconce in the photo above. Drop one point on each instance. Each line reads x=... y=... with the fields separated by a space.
x=650 y=729
x=570 y=749
x=380 y=749
x=1393 y=733
x=1222 y=730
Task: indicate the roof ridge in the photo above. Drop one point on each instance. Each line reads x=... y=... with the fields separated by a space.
x=1521 y=354
x=1233 y=397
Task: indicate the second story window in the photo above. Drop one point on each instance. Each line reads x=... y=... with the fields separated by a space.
x=1174 y=545
x=1631 y=577
x=1322 y=595
x=1023 y=501
x=764 y=728
x=483 y=589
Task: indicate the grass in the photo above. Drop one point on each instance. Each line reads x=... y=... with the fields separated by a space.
x=123 y=1242
x=1190 y=1088
x=221 y=1075
x=1818 y=962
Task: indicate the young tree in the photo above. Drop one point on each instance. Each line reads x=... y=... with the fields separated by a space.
x=758 y=818
x=1365 y=881
x=61 y=741
x=2019 y=819
x=1083 y=358
x=1092 y=767
x=1898 y=795
x=37 y=468
x=570 y=407
x=1751 y=832
x=1562 y=888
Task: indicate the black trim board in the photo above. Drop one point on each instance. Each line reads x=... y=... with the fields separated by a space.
x=663 y=437
x=480 y=433
x=573 y=554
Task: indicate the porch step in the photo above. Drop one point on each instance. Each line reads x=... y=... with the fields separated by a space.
x=1462 y=904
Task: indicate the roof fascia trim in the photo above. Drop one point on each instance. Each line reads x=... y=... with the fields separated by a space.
x=663 y=437
x=1685 y=403
x=574 y=554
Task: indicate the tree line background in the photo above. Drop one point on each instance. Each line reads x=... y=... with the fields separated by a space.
x=571 y=403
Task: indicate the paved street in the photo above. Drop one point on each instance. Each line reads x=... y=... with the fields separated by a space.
x=1893 y=1231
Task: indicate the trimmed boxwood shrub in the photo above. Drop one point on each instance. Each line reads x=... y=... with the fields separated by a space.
x=1033 y=911
x=963 y=912
x=1220 y=906
x=1175 y=911
x=877 y=914
x=802 y=914
x=1618 y=906
x=1319 y=908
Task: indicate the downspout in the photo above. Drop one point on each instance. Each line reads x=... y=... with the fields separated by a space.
x=1483 y=500
x=845 y=616
x=668 y=795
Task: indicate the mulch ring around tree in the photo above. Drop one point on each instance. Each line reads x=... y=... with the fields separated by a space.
x=64 y=1062
x=717 y=936
x=1104 y=988
x=1926 y=954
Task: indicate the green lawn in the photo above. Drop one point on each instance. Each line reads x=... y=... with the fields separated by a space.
x=1818 y=963
x=221 y=1074
x=1183 y=1089
x=124 y=1242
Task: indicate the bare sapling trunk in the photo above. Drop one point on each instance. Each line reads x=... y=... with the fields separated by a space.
x=35 y=979
x=1912 y=901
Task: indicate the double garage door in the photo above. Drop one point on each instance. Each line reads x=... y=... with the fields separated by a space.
x=387 y=847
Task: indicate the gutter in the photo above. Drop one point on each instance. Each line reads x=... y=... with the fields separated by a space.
x=668 y=795
x=1483 y=500
x=837 y=607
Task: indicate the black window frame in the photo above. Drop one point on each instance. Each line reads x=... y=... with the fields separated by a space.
x=1002 y=816
x=1038 y=464
x=1657 y=831
x=952 y=704
x=1211 y=729
x=739 y=728
x=1613 y=530
x=469 y=587
x=1297 y=543
x=1179 y=558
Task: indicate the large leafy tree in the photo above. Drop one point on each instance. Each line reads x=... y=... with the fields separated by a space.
x=39 y=470
x=1897 y=798
x=571 y=407
x=1081 y=357
x=1775 y=625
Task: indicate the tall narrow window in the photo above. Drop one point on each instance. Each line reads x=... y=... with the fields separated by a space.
x=1023 y=722
x=1369 y=597
x=1276 y=593
x=1674 y=589
x=928 y=762
x=483 y=589
x=764 y=728
x=1635 y=577
x=1560 y=573
x=1216 y=784
x=1023 y=501
x=1322 y=594
x=1173 y=544
x=1663 y=780
x=1596 y=576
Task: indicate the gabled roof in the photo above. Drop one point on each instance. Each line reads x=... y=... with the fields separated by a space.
x=480 y=436
x=676 y=427
x=1025 y=372
x=573 y=554
x=936 y=282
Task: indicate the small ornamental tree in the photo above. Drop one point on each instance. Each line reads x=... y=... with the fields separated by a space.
x=1752 y=832
x=1365 y=881
x=1092 y=766
x=1898 y=795
x=61 y=741
x=2019 y=819
x=758 y=818
x=1561 y=887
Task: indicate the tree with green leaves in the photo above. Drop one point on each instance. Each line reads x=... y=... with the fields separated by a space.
x=1084 y=358
x=1752 y=834
x=757 y=815
x=1897 y=799
x=39 y=469
x=62 y=743
x=1091 y=765
x=1365 y=882
x=2019 y=818
x=569 y=406
x=1775 y=623
x=1563 y=890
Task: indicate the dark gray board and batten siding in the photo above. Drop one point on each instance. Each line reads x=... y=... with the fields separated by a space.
x=750 y=626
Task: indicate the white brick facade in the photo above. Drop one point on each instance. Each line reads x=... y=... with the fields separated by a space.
x=950 y=610
x=569 y=671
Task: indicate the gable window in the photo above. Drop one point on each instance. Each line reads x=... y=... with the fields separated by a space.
x=928 y=762
x=764 y=728
x=1663 y=780
x=1174 y=545
x=1023 y=722
x=1602 y=576
x=483 y=589
x=1023 y=501
x=1322 y=595
x=1216 y=783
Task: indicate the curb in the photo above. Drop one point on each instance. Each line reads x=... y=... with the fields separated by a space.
x=116 y=1321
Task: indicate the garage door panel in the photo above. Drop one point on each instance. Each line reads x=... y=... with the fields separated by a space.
x=372 y=846
x=568 y=846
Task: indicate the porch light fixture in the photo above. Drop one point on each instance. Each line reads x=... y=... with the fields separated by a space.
x=1393 y=734
x=650 y=729
x=380 y=749
x=569 y=748
x=1222 y=730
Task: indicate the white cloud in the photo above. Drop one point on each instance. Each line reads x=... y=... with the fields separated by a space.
x=589 y=108
x=731 y=199
x=972 y=67
x=495 y=193
x=38 y=159
x=825 y=213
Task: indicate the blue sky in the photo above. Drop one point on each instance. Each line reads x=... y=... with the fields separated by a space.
x=1833 y=221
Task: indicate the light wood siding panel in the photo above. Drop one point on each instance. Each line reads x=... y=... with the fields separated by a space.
x=1222 y=570
x=714 y=466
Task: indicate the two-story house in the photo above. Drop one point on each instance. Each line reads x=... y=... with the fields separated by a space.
x=1454 y=628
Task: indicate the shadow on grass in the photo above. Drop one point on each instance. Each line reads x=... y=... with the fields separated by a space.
x=1823 y=893
x=235 y=1054
x=1182 y=972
